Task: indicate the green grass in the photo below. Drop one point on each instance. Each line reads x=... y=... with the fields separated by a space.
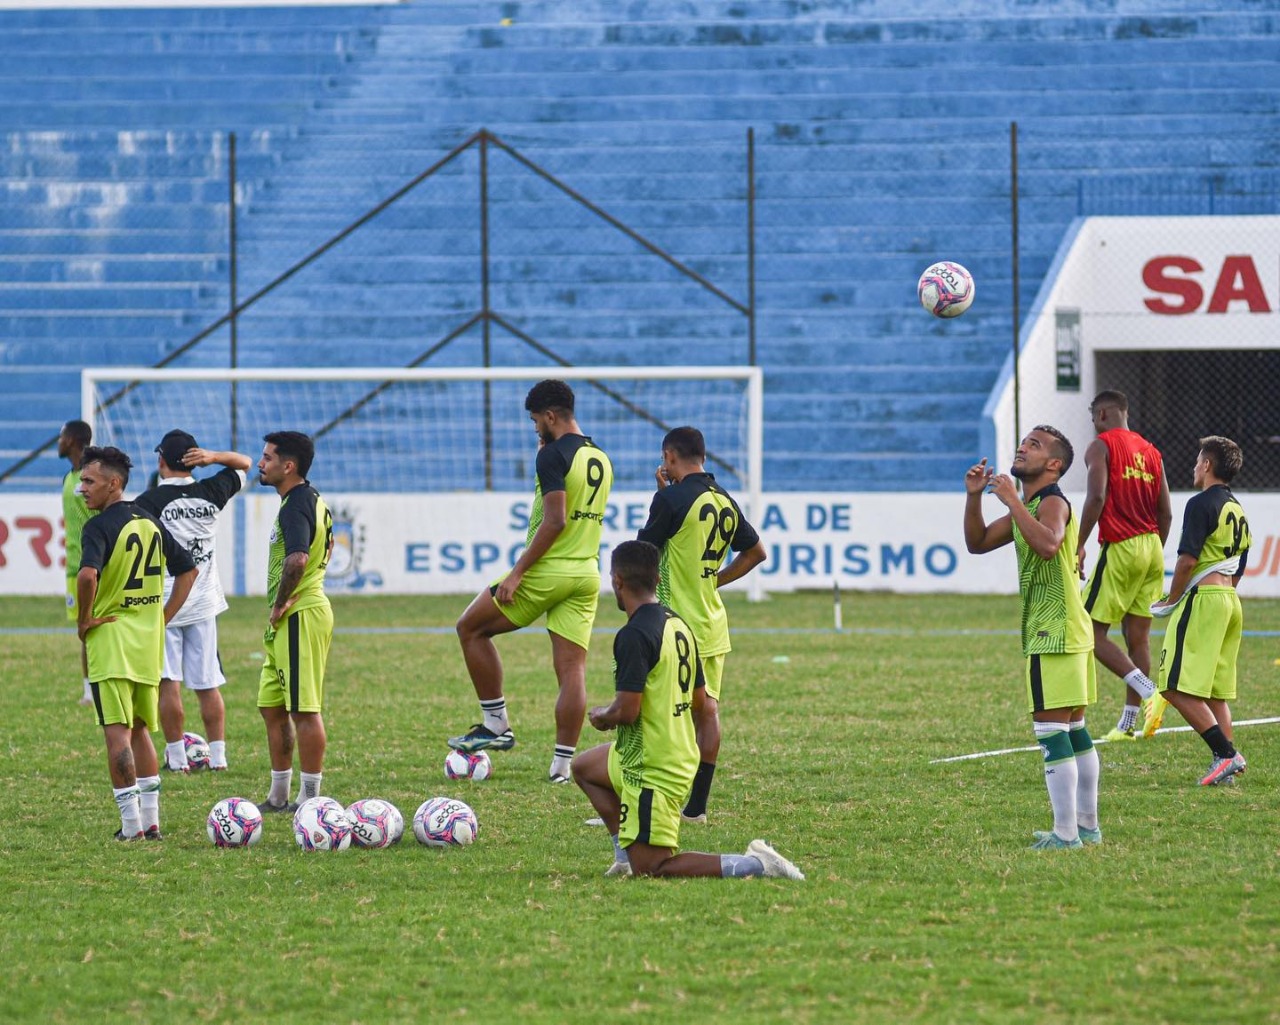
x=921 y=903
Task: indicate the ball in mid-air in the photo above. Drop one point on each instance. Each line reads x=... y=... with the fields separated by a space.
x=375 y=822
x=946 y=289
x=445 y=822
x=234 y=822
x=197 y=749
x=468 y=765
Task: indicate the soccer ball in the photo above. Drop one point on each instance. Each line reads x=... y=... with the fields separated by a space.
x=445 y=822
x=375 y=823
x=321 y=824
x=946 y=289
x=468 y=765
x=234 y=822
x=197 y=751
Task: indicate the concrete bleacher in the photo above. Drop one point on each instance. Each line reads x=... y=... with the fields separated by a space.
x=881 y=144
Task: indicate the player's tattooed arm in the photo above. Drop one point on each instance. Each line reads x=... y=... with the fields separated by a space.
x=290 y=576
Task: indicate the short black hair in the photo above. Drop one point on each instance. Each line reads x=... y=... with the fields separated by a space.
x=112 y=459
x=1062 y=447
x=686 y=443
x=550 y=396
x=79 y=432
x=1115 y=399
x=1224 y=455
x=636 y=562
x=293 y=445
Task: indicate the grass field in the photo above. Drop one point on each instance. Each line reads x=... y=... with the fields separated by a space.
x=921 y=903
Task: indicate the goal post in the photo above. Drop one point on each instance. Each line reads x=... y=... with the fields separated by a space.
x=395 y=430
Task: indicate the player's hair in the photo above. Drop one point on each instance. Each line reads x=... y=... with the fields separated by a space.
x=1061 y=448
x=636 y=562
x=293 y=445
x=79 y=432
x=1224 y=455
x=550 y=396
x=112 y=459
x=686 y=443
x=1114 y=399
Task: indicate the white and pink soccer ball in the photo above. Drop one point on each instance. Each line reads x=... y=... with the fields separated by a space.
x=375 y=822
x=321 y=824
x=468 y=765
x=946 y=289
x=445 y=822
x=234 y=822
x=197 y=749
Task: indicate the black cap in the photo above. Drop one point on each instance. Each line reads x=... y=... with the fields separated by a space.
x=173 y=446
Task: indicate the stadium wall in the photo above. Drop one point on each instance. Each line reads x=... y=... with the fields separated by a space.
x=446 y=544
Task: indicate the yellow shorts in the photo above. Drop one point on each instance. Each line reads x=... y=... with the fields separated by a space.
x=1201 y=643
x=646 y=816
x=118 y=702
x=1128 y=577
x=713 y=673
x=1060 y=681
x=296 y=653
x=569 y=602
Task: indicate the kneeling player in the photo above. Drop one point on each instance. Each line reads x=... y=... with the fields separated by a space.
x=638 y=784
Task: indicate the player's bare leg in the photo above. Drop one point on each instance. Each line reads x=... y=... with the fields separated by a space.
x=707 y=726
x=570 y=663
x=172 y=723
x=280 y=744
x=213 y=714
x=1133 y=664
x=483 y=620
x=147 y=773
x=124 y=779
x=1201 y=715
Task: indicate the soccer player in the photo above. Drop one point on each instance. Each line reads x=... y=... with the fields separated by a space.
x=695 y=523
x=1128 y=500
x=638 y=782
x=122 y=613
x=189 y=509
x=557 y=573
x=1198 y=657
x=73 y=439
x=1056 y=638
x=300 y=623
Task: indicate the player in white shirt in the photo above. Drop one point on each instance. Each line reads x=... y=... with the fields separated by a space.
x=189 y=510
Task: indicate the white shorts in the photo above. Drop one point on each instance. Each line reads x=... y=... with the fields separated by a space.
x=191 y=655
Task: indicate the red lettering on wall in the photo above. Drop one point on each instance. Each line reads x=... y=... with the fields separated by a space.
x=1238 y=281
x=41 y=534
x=1155 y=276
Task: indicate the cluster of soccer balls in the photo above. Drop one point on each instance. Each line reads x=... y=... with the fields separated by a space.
x=323 y=824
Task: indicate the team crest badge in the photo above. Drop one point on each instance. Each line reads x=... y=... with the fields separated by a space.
x=344 y=568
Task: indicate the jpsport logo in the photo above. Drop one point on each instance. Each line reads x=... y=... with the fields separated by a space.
x=151 y=599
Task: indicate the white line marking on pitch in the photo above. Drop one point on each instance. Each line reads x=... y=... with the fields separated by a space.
x=1036 y=747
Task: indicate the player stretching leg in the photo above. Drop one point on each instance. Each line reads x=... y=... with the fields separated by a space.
x=1056 y=639
x=557 y=573
x=637 y=783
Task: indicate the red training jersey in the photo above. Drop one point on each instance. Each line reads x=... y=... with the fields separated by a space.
x=1134 y=471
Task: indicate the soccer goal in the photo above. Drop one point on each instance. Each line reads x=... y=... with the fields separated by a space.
x=397 y=430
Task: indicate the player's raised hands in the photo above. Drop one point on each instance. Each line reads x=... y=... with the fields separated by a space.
x=978 y=477
x=1004 y=488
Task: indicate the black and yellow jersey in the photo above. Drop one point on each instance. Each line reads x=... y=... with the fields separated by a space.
x=303 y=524
x=572 y=464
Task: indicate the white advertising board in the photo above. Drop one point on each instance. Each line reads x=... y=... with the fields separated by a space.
x=456 y=544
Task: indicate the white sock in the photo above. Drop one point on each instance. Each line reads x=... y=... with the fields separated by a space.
x=1061 y=779
x=1128 y=719
x=560 y=763
x=149 y=801
x=619 y=853
x=1088 y=769
x=281 y=782
x=1140 y=682
x=130 y=813
x=175 y=755
x=495 y=715
x=310 y=786
x=218 y=754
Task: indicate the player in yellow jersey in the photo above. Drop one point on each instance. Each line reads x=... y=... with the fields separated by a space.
x=300 y=621
x=1202 y=639
x=696 y=523
x=122 y=613
x=558 y=573
x=1057 y=638
x=73 y=439
x=638 y=783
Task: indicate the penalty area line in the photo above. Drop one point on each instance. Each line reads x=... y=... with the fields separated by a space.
x=1103 y=740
